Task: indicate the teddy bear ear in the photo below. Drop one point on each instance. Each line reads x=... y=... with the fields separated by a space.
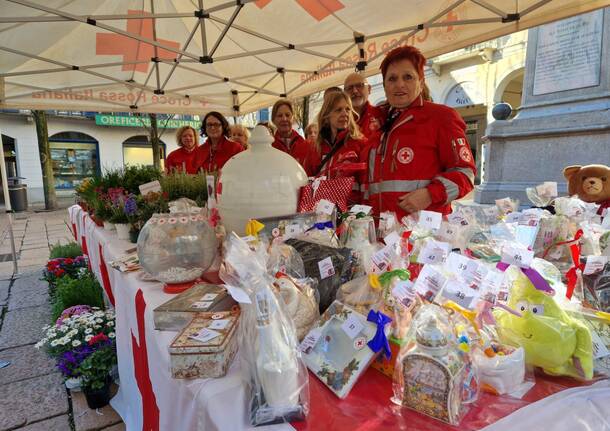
x=570 y=170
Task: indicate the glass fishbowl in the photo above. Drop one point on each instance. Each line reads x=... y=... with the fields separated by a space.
x=177 y=248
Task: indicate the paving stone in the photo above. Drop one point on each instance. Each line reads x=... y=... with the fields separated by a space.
x=23 y=326
x=36 y=253
x=117 y=427
x=32 y=400
x=28 y=298
x=29 y=281
x=39 y=261
x=4 y=286
x=58 y=423
x=26 y=362
x=86 y=419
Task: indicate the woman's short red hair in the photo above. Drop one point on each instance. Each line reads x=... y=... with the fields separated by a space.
x=408 y=52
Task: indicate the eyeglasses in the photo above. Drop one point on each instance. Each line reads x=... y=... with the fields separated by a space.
x=213 y=125
x=359 y=86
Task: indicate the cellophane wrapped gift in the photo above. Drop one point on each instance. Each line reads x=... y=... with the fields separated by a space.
x=271 y=362
x=285 y=259
x=359 y=294
x=432 y=375
x=359 y=235
x=299 y=296
x=596 y=289
x=330 y=266
x=342 y=345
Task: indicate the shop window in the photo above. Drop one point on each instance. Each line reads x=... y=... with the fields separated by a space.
x=138 y=151
x=75 y=157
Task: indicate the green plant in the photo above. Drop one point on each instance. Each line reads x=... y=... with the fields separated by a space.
x=136 y=175
x=182 y=185
x=70 y=250
x=82 y=291
x=95 y=369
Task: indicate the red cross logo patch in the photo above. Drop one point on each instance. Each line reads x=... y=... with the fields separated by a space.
x=405 y=155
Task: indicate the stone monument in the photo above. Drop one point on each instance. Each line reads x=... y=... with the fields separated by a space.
x=565 y=114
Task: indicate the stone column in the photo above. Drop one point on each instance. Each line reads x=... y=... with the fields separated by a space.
x=565 y=114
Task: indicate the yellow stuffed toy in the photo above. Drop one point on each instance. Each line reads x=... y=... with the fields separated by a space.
x=552 y=340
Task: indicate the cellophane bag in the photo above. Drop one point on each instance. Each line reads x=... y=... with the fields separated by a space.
x=359 y=294
x=300 y=298
x=432 y=374
x=596 y=289
x=330 y=266
x=271 y=362
x=285 y=259
x=359 y=235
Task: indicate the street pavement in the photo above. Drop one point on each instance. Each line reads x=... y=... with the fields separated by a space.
x=32 y=394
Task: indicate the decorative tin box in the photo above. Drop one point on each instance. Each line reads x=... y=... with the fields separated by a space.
x=339 y=354
x=205 y=348
x=206 y=299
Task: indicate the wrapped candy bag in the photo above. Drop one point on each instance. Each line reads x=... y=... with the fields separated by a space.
x=271 y=363
x=301 y=302
x=432 y=375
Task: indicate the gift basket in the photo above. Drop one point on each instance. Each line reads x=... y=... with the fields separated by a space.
x=270 y=360
x=177 y=248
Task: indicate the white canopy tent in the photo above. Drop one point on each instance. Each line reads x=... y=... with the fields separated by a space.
x=178 y=56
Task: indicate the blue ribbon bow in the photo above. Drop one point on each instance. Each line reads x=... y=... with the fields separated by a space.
x=379 y=341
x=321 y=226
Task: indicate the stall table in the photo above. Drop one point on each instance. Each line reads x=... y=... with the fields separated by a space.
x=150 y=399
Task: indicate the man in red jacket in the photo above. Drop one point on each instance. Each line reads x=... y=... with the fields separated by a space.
x=371 y=117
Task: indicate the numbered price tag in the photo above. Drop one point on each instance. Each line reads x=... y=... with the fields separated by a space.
x=219 y=324
x=205 y=335
x=361 y=209
x=325 y=207
x=491 y=211
x=326 y=268
x=457 y=219
x=460 y=293
x=491 y=285
x=352 y=326
x=595 y=264
x=430 y=220
x=391 y=238
x=292 y=230
x=461 y=265
x=518 y=256
x=434 y=252
x=310 y=341
x=429 y=282
x=447 y=231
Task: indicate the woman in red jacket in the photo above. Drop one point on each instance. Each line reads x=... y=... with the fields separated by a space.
x=423 y=159
x=340 y=144
x=185 y=157
x=288 y=140
x=217 y=149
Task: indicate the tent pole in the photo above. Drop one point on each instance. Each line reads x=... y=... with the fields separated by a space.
x=7 y=205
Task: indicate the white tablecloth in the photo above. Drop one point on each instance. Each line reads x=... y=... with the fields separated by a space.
x=182 y=404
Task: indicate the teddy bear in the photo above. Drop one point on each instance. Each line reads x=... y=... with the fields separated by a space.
x=590 y=183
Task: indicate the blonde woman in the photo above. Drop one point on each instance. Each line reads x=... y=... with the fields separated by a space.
x=311 y=132
x=340 y=143
x=185 y=157
x=241 y=134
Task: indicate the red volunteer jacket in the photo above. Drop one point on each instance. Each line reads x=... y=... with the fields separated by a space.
x=182 y=160
x=212 y=161
x=425 y=147
x=303 y=151
x=348 y=161
x=371 y=120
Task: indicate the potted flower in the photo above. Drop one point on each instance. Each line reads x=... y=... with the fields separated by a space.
x=118 y=197
x=79 y=332
x=130 y=209
x=62 y=266
x=96 y=372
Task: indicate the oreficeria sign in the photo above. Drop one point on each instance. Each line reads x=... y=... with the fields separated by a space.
x=132 y=121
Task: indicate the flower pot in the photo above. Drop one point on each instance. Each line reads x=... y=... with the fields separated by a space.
x=122 y=231
x=133 y=236
x=74 y=383
x=108 y=226
x=98 y=398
